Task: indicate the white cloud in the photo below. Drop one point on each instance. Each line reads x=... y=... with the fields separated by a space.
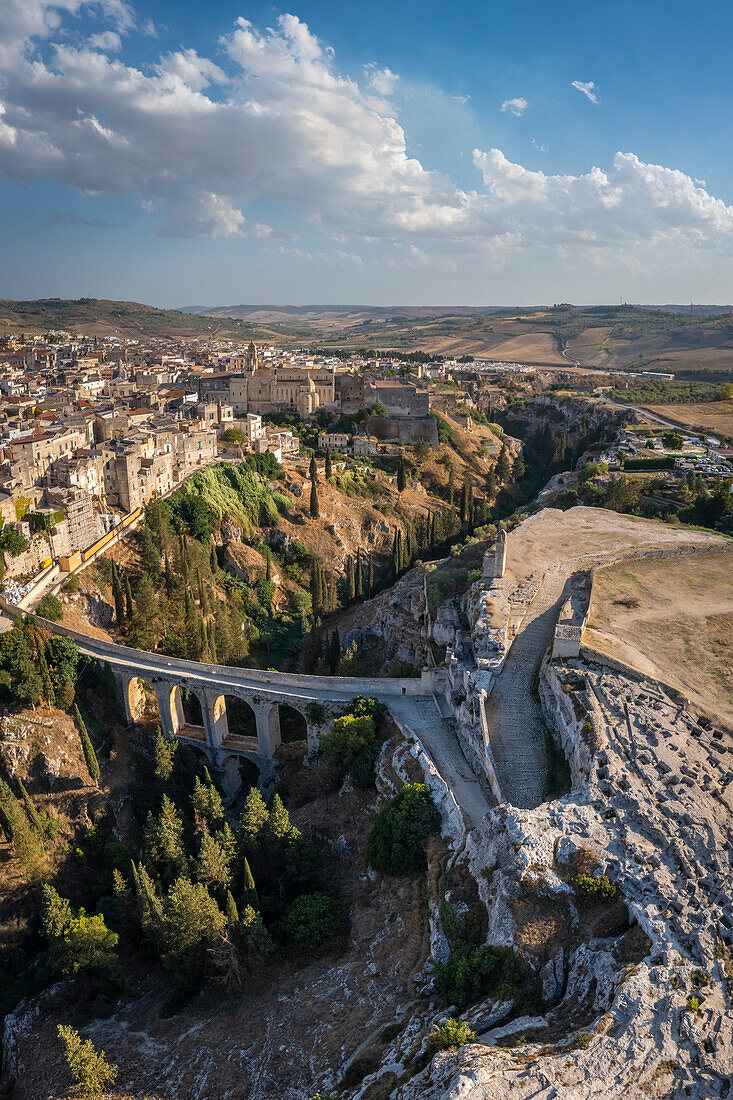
x=381 y=80
x=109 y=41
x=515 y=106
x=195 y=142
x=539 y=146
x=586 y=89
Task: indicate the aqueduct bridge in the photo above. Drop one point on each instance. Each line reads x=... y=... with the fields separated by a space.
x=138 y=673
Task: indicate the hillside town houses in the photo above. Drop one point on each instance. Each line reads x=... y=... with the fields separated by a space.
x=93 y=428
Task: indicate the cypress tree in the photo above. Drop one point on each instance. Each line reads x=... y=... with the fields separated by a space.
x=213 y=560
x=491 y=483
x=370 y=577
x=334 y=651
x=450 y=487
x=395 y=555
x=314 y=508
x=329 y=466
x=350 y=583
x=313 y=469
x=202 y=594
x=249 y=893
x=502 y=464
x=48 y=693
x=464 y=502
x=87 y=747
x=316 y=591
x=401 y=475
x=400 y=552
x=168 y=576
x=358 y=576
x=211 y=634
x=31 y=811
x=117 y=596
x=128 y=600
x=407 y=560
x=230 y=911
x=268 y=569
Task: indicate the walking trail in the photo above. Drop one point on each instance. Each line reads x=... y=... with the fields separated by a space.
x=518 y=734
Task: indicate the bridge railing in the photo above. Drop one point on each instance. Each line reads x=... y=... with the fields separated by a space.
x=339 y=685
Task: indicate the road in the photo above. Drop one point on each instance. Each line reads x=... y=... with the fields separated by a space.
x=517 y=731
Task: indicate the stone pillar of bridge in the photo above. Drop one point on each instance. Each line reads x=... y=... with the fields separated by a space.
x=228 y=776
x=132 y=696
x=268 y=727
x=170 y=706
x=313 y=735
x=214 y=713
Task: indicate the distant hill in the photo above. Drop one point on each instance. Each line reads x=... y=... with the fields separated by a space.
x=695 y=346
x=101 y=317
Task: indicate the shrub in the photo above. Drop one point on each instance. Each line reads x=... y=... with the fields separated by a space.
x=311 y=919
x=89 y=1068
x=594 y=888
x=315 y=712
x=362 y=766
x=450 y=1035
x=397 y=842
x=692 y=1004
x=72 y=583
x=49 y=607
x=372 y=708
x=472 y=972
x=349 y=736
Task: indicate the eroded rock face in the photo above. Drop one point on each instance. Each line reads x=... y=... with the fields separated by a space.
x=650 y=810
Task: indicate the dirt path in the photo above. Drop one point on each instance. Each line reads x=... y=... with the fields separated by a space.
x=518 y=734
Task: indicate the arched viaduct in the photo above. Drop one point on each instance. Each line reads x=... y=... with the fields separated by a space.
x=264 y=692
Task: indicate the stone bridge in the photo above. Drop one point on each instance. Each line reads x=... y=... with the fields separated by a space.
x=141 y=676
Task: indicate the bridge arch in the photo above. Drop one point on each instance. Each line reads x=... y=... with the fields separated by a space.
x=293 y=724
x=141 y=702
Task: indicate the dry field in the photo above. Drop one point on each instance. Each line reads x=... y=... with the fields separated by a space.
x=671 y=618
x=713 y=416
x=581 y=537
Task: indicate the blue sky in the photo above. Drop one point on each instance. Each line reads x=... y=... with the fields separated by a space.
x=476 y=153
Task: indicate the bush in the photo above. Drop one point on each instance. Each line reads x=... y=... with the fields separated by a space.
x=594 y=888
x=315 y=712
x=372 y=708
x=450 y=1035
x=90 y=1070
x=311 y=919
x=397 y=842
x=692 y=1004
x=362 y=766
x=348 y=737
x=72 y=583
x=473 y=972
x=49 y=607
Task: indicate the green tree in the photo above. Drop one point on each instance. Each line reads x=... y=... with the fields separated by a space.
x=401 y=475
x=502 y=465
x=165 y=756
x=350 y=581
x=314 y=508
x=254 y=816
x=128 y=600
x=214 y=863
x=396 y=844
x=358 y=576
x=50 y=607
x=163 y=841
x=310 y=920
x=233 y=435
x=87 y=747
x=90 y=1069
x=518 y=469
x=206 y=800
x=192 y=924
x=249 y=890
x=349 y=736
x=313 y=469
x=117 y=596
x=329 y=466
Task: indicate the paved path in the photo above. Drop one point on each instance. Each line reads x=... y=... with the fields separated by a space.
x=442 y=746
x=518 y=734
